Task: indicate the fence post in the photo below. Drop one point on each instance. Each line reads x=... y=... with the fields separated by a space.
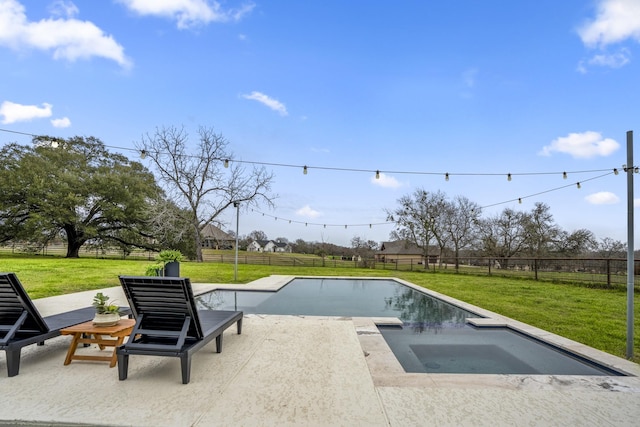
x=535 y=267
x=608 y=272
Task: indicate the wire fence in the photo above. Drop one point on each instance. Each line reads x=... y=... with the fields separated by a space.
x=595 y=272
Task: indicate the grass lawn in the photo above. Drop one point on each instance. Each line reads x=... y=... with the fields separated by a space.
x=596 y=317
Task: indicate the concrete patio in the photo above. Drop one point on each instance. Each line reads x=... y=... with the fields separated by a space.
x=292 y=370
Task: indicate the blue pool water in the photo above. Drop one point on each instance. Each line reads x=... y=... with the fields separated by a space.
x=434 y=336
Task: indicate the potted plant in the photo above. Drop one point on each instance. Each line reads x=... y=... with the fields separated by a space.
x=156 y=269
x=170 y=258
x=106 y=314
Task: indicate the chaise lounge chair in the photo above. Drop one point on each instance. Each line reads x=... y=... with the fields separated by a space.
x=21 y=324
x=168 y=322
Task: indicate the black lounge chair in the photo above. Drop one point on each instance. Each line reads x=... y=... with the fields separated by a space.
x=21 y=324
x=168 y=322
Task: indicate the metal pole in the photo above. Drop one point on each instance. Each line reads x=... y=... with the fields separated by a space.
x=630 y=256
x=235 y=266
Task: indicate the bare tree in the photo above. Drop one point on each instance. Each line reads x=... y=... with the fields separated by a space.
x=610 y=248
x=419 y=220
x=503 y=235
x=541 y=230
x=257 y=235
x=204 y=183
x=459 y=219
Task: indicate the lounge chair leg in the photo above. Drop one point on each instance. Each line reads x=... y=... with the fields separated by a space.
x=13 y=362
x=219 y=343
x=123 y=366
x=185 y=364
x=239 y=326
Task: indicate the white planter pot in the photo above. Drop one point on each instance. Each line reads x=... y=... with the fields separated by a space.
x=106 y=319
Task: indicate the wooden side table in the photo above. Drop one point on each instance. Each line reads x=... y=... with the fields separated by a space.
x=87 y=333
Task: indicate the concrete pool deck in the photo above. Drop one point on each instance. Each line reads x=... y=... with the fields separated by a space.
x=295 y=370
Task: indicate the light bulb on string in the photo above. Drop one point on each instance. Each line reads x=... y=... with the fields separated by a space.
x=446 y=176
x=304 y=170
x=578 y=185
x=226 y=163
x=564 y=175
x=377 y=174
x=508 y=177
x=143 y=154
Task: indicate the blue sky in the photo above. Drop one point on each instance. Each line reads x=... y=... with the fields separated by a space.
x=414 y=89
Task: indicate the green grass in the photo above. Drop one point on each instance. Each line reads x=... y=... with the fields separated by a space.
x=596 y=317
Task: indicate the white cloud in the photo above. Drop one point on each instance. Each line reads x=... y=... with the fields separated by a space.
x=602 y=198
x=63 y=8
x=12 y=112
x=274 y=104
x=611 y=60
x=469 y=77
x=616 y=21
x=188 y=13
x=67 y=38
x=386 y=181
x=61 y=123
x=582 y=145
x=307 y=212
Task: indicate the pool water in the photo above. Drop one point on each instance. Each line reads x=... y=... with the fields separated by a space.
x=434 y=338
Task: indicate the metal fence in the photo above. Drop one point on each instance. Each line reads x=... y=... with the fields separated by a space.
x=596 y=272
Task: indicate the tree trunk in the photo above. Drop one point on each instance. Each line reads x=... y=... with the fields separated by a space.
x=73 y=248
x=74 y=241
x=198 y=243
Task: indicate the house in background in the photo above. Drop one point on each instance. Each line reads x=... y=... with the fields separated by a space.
x=269 y=246
x=404 y=252
x=214 y=238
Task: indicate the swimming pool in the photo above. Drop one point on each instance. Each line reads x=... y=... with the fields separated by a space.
x=435 y=336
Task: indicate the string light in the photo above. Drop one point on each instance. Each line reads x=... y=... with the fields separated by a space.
x=305 y=168
x=578 y=184
x=54 y=143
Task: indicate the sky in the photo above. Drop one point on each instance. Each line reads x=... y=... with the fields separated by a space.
x=413 y=89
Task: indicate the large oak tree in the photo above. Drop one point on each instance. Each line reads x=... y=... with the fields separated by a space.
x=75 y=188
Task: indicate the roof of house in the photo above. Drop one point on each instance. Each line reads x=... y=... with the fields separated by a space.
x=212 y=232
x=400 y=247
x=278 y=244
